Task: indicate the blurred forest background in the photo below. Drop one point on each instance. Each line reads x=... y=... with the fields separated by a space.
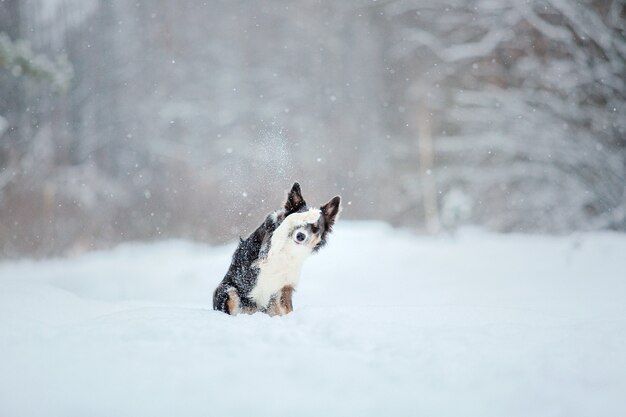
x=138 y=120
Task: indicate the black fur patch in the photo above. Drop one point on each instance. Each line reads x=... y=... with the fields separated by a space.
x=295 y=201
x=330 y=211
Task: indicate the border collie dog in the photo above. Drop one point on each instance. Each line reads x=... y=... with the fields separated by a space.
x=266 y=266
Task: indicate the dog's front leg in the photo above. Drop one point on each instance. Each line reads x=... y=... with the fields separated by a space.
x=286 y=302
x=281 y=302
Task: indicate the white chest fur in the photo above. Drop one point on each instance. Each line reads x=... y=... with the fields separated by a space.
x=284 y=261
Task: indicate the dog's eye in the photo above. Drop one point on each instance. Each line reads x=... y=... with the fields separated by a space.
x=314 y=229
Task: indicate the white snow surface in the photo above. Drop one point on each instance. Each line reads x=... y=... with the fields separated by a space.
x=385 y=323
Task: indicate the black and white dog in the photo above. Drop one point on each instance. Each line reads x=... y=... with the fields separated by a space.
x=266 y=266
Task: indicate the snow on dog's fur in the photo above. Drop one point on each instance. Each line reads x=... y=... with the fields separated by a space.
x=265 y=268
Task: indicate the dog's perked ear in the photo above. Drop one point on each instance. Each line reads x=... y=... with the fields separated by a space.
x=330 y=211
x=295 y=201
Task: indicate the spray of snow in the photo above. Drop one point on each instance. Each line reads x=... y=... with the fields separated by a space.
x=268 y=160
x=273 y=154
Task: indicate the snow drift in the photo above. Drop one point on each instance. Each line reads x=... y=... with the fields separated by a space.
x=385 y=323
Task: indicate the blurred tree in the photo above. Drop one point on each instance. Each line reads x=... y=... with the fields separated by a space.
x=527 y=105
x=19 y=59
x=189 y=119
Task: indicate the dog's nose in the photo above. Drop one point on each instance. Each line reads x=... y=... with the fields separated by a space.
x=300 y=237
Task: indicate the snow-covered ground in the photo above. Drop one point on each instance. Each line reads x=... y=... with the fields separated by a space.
x=385 y=323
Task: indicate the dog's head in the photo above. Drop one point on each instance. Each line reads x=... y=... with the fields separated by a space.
x=307 y=227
